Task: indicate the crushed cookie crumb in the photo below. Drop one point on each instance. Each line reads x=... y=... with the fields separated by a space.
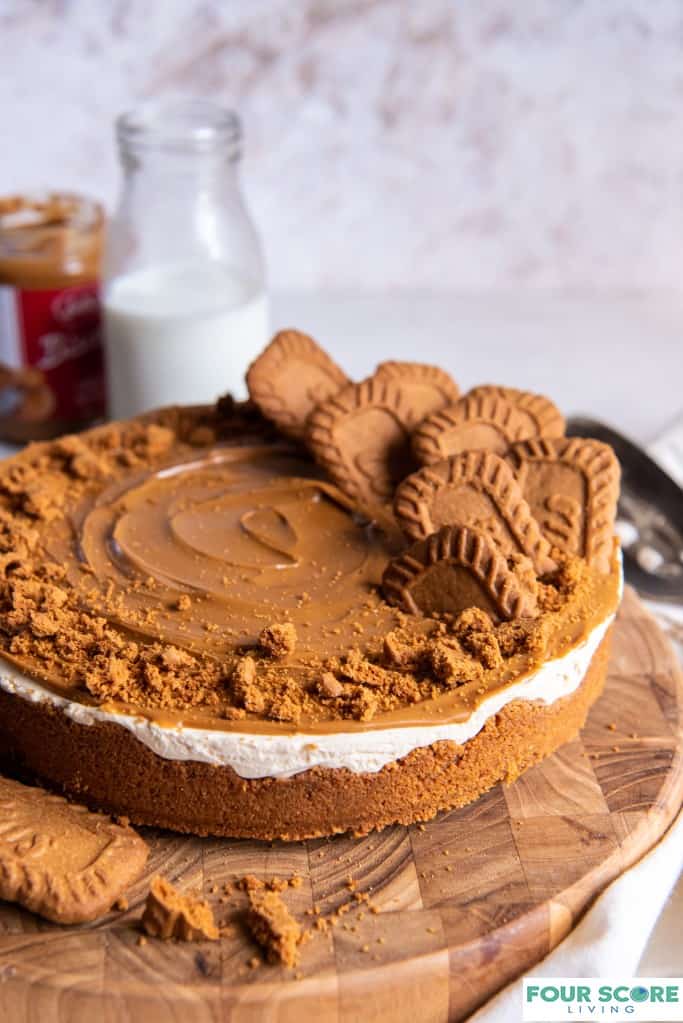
x=168 y=914
x=278 y=640
x=273 y=927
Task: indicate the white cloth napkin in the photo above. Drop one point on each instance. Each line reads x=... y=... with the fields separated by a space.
x=611 y=937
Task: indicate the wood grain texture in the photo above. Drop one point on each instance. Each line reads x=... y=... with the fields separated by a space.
x=460 y=906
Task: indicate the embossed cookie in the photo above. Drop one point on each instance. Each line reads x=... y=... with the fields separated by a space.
x=543 y=418
x=58 y=859
x=476 y=489
x=572 y=486
x=454 y=569
x=362 y=438
x=487 y=422
x=427 y=387
x=290 y=377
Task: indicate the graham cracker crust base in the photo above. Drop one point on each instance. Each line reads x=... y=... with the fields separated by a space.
x=107 y=768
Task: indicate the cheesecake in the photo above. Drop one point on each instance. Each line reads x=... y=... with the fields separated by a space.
x=334 y=607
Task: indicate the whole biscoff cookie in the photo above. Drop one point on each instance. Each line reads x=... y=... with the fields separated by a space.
x=428 y=388
x=488 y=422
x=572 y=487
x=290 y=377
x=454 y=569
x=61 y=861
x=543 y=418
x=362 y=438
x=476 y=489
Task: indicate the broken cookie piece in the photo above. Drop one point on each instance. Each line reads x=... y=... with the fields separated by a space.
x=273 y=927
x=476 y=634
x=451 y=666
x=168 y=914
x=454 y=569
x=278 y=640
x=244 y=687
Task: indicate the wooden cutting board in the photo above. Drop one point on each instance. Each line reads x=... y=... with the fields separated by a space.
x=463 y=904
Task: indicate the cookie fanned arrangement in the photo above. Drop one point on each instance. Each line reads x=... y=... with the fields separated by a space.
x=485 y=482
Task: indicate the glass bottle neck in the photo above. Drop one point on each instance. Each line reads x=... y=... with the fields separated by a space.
x=179 y=136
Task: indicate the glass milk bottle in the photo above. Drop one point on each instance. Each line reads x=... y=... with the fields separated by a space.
x=184 y=298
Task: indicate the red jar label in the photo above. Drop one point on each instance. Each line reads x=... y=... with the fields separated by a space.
x=51 y=355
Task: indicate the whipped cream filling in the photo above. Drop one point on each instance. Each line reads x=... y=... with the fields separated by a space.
x=280 y=756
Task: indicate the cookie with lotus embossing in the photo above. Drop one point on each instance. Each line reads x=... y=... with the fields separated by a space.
x=457 y=568
x=362 y=438
x=61 y=861
x=427 y=387
x=484 y=423
x=290 y=377
x=476 y=489
x=571 y=485
x=543 y=418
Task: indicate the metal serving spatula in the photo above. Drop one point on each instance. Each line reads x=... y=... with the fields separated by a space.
x=649 y=516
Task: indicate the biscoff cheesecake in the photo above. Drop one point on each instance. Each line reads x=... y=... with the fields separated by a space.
x=334 y=607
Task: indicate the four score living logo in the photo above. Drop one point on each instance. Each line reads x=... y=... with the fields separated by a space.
x=547 y=999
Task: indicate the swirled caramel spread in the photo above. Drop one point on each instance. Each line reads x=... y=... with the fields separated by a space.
x=193 y=567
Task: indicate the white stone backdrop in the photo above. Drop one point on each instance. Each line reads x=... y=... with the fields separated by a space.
x=434 y=144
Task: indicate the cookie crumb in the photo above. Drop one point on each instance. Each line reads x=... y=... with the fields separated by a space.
x=278 y=640
x=273 y=927
x=329 y=685
x=168 y=914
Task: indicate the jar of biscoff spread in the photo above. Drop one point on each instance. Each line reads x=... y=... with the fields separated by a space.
x=51 y=355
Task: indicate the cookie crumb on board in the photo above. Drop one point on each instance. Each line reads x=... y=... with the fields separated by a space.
x=273 y=927
x=168 y=914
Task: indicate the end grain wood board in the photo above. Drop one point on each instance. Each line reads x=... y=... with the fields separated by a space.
x=463 y=904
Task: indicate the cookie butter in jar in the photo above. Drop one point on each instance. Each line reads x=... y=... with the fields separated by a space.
x=51 y=360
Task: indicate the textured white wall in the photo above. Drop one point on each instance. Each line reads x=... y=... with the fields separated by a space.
x=459 y=144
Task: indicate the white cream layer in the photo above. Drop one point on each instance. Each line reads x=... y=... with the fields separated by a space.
x=279 y=756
